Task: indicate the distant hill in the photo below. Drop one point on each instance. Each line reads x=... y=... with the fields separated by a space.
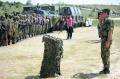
x=111 y=7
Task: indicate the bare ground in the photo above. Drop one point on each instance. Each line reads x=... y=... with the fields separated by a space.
x=81 y=57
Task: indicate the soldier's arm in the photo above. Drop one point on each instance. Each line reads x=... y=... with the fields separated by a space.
x=110 y=33
x=3 y=27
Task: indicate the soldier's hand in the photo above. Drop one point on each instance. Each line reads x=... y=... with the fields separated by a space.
x=107 y=44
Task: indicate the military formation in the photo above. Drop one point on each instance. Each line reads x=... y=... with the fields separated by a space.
x=16 y=28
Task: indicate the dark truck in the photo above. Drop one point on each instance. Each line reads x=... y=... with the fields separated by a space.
x=43 y=12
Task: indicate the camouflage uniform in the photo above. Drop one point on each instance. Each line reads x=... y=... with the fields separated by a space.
x=46 y=24
x=39 y=23
x=30 y=26
x=4 y=37
x=23 y=25
x=105 y=52
x=0 y=33
x=15 y=34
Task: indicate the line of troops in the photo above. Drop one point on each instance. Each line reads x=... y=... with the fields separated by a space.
x=16 y=28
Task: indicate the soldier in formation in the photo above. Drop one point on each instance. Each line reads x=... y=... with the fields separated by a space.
x=16 y=28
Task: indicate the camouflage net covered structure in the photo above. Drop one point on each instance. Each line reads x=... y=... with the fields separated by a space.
x=53 y=52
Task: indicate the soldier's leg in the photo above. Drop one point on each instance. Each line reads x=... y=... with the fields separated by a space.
x=102 y=56
x=39 y=28
x=13 y=38
x=0 y=37
x=17 y=38
x=105 y=55
x=35 y=29
x=9 y=39
x=106 y=59
x=25 y=34
x=46 y=28
x=42 y=29
x=29 y=30
x=5 y=39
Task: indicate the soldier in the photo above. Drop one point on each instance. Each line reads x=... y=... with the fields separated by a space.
x=61 y=23
x=19 y=28
x=0 y=32
x=15 y=30
x=4 y=28
x=46 y=24
x=27 y=24
x=30 y=23
x=10 y=29
x=43 y=23
x=25 y=32
x=106 y=26
x=24 y=26
x=37 y=25
x=34 y=24
x=39 y=22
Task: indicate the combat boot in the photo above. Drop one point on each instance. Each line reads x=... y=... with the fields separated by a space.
x=105 y=71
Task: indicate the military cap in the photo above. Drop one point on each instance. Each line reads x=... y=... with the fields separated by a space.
x=106 y=11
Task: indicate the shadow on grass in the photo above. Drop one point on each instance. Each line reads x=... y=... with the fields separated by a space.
x=38 y=77
x=33 y=77
x=85 y=76
x=93 y=41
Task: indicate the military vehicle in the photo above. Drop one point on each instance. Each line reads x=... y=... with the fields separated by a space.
x=74 y=12
x=53 y=9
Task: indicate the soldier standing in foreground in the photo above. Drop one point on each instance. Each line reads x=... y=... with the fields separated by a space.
x=106 y=26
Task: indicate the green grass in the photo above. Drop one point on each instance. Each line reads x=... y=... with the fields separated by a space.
x=117 y=23
x=88 y=13
x=95 y=22
x=111 y=7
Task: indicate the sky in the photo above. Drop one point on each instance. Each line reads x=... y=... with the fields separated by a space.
x=115 y=2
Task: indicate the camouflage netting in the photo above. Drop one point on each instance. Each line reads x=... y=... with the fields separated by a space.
x=52 y=55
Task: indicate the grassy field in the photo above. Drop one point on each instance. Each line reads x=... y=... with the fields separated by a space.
x=81 y=57
x=111 y=7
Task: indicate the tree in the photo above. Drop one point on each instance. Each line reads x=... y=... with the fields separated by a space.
x=1 y=3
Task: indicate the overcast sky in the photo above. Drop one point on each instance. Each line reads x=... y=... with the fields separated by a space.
x=116 y=2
